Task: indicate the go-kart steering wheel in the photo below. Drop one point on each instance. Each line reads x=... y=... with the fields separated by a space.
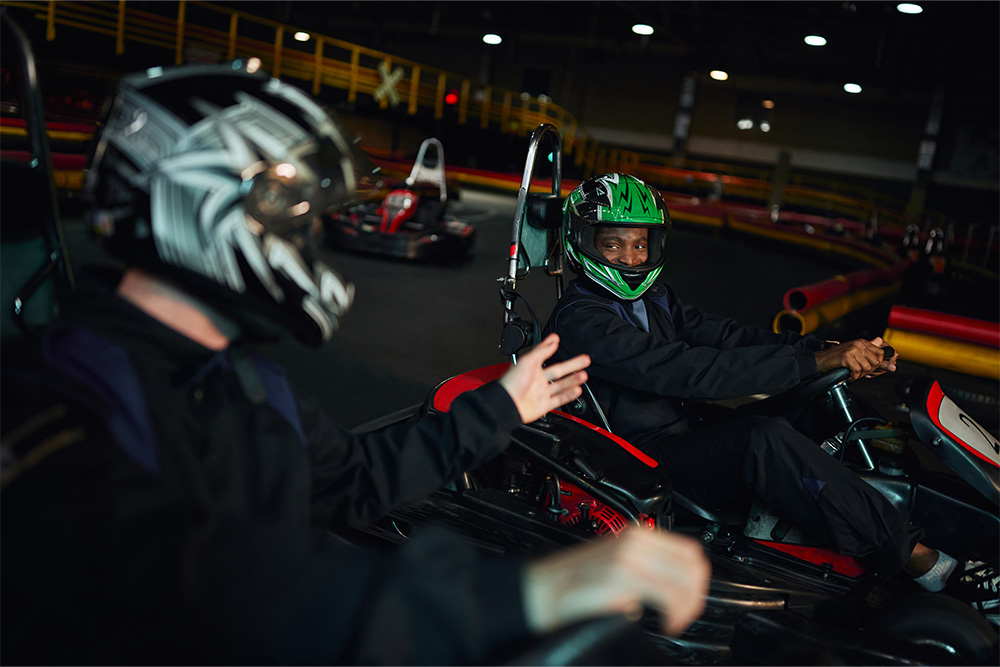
x=803 y=393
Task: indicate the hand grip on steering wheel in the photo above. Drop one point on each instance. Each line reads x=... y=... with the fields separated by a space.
x=888 y=352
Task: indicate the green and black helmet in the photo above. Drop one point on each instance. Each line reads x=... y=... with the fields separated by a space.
x=614 y=200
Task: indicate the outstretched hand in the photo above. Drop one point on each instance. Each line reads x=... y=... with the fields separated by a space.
x=667 y=572
x=863 y=358
x=536 y=389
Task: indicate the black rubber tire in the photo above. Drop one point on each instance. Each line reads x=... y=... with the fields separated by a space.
x=936 y=620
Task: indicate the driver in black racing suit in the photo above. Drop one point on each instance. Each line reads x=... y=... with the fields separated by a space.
x=165 y=494
x=650 y=351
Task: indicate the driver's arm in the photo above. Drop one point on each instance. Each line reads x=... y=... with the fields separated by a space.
x=358 y=478
x=655 y=363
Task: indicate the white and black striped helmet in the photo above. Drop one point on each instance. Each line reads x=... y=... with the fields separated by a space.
x=216 y=177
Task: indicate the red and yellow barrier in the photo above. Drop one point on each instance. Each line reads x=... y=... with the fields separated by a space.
x=954 y=342
x=809 y=296
x=803 y=322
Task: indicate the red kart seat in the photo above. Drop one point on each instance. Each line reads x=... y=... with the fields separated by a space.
x=441 y=398
x=397 y=207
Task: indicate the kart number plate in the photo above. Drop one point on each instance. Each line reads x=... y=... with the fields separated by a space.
x=967 y=431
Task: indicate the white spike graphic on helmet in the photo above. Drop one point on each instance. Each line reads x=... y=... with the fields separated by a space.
x=203 y=172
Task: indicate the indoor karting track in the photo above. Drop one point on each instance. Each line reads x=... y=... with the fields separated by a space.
x=414 y=325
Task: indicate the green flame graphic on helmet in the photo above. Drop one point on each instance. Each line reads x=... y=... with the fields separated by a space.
x=615 y=200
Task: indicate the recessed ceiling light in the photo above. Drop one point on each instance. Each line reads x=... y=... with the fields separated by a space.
x=765 y=126
x=852 y=88
x=492 y=39
x=642 y=29
x=744 y=124
x=302 y=36
x=767 y=104
x=909 y=8
x=815 y=40
x=718 y=75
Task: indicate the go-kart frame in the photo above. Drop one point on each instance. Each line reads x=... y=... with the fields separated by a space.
x=776 y=595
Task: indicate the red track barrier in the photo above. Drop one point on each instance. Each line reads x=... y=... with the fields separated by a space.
x=805 y=297
x=949 y=326
x=68 y=161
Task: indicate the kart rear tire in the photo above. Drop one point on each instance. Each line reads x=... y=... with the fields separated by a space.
x=941 y=623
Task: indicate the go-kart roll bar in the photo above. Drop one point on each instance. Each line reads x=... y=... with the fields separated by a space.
x=543 y=131
x=437 y=171
x=57 y=263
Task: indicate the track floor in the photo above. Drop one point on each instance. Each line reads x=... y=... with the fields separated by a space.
x=415 y=325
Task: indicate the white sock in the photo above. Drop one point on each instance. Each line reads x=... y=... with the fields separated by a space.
x=934 y=579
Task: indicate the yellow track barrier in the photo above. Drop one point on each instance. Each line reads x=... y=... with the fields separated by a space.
x=61 y=135
x=954 y=355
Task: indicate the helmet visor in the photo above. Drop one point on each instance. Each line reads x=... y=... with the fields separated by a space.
x=288 y=195
x=633 y=250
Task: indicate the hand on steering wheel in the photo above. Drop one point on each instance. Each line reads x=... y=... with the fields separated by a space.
x=861 y=357
x=667 y=572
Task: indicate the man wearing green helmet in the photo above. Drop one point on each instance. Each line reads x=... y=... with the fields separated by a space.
x=650 y=352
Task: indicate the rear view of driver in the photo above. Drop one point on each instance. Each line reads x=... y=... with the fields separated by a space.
x=166 y=495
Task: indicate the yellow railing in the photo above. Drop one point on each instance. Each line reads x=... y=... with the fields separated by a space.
x=202 y=30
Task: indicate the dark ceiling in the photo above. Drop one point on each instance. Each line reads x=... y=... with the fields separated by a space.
x=951 y=43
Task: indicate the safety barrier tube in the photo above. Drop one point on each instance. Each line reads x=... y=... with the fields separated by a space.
x=940 y=352
x=957 y=327
x=808 y=296
x=803 y=322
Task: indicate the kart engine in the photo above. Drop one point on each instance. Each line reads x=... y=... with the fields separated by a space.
x=577 y=508
x=574 y=506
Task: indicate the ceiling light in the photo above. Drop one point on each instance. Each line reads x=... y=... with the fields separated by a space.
x=815 y=40
x=718 y=75
x=744 y=124
x=642 y=29
x=492 y=39
x=909 y=8
x=765 y=126
x=767 y=104
x=852 y=88
x=302 y=36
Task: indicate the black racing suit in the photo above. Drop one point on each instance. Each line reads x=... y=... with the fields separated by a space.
x=164 y=503
x=651 y=353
